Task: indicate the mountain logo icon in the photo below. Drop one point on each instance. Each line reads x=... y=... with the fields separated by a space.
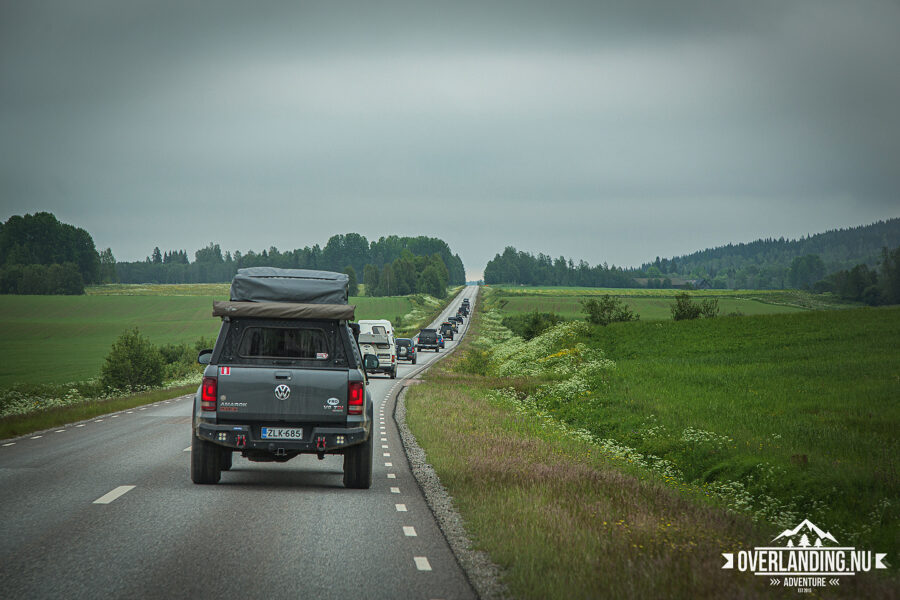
x=801 y=536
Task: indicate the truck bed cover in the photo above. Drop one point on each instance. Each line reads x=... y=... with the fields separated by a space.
x=269 y=284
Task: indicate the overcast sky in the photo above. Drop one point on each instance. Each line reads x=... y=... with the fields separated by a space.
x=598 y=131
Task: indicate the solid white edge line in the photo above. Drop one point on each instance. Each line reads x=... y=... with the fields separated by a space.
x=409 y=531
x=110 y=496
x=422 y=563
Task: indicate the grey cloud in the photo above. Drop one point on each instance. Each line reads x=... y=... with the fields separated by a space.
x=539 y=118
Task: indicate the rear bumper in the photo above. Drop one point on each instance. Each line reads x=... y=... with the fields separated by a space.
x=315 y=439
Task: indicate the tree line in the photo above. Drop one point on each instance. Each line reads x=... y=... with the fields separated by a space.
x=770 y=263
x=212 y=265
x=41 y=255
x=409 y=274
x=514 y=266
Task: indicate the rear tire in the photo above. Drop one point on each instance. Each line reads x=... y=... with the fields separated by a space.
x=205 y=461
x=227 y=456
x=358 y=465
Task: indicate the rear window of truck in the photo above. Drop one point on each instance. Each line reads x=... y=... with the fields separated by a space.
x=284 y=342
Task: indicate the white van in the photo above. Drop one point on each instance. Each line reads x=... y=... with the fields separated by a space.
x=382 y=327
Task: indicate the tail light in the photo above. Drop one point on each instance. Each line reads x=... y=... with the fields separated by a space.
x=356 y=396
x=208 y=392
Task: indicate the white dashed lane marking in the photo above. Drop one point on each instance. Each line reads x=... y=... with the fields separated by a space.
x=37 y=437
x=9 y=444
x=109 y=497
x=60 y=431
x=422 y=563
x=386 y=454
x=400 y=507
x=81 y=425
x=384 y=445
x=409 y=531
x=395 y=490
x=188 y=449
x=392 y=476
x=387 y=464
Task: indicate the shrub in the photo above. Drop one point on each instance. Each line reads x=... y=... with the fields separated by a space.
x=684 y=308
x=133 y=363
x=533 y=324
x=608 y=309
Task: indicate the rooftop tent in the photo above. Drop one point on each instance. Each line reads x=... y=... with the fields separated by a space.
x=269 y=284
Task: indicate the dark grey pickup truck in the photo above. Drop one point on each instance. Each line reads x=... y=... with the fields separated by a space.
x=286 y=377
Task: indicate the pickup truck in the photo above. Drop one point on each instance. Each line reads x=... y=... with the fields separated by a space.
x=286 y=377
x=428 y=340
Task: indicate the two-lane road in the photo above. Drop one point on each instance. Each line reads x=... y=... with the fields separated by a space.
x=106 y=509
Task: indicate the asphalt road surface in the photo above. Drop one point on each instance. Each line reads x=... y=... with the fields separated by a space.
x=106 y=509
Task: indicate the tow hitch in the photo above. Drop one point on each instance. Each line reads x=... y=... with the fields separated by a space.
x=320 y=447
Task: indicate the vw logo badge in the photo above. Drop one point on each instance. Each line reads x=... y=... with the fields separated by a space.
x=282 y=392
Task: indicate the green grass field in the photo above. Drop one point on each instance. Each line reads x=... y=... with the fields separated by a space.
x=569 y=298
x=773 y=418
x=57 y=339
x=649 y=308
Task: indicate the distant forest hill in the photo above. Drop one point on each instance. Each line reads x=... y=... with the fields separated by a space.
x=212 y=265
x=763 y=264
x=767 y=263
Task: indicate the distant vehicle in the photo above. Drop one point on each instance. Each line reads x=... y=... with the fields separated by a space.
x=455 y=322
x=428 y=340
x=382 y=327
x=440 y=340
x=380 y=345
x=447 y=330
x=285 y=377
x=406 y=350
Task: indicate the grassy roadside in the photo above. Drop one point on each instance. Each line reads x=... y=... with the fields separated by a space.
x=560 y=517
x=17 y=425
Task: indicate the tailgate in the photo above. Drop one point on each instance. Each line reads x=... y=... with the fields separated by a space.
x=282 y=394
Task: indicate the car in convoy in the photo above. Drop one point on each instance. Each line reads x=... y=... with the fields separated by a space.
x=440 y=340
x=380 y=345
x=380 y=326
x=454 y=322
x=286 y=377
x=406 y=350
x=428 y=340
x=447 y=330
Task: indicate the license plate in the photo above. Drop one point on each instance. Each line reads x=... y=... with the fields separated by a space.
x=281 y=433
